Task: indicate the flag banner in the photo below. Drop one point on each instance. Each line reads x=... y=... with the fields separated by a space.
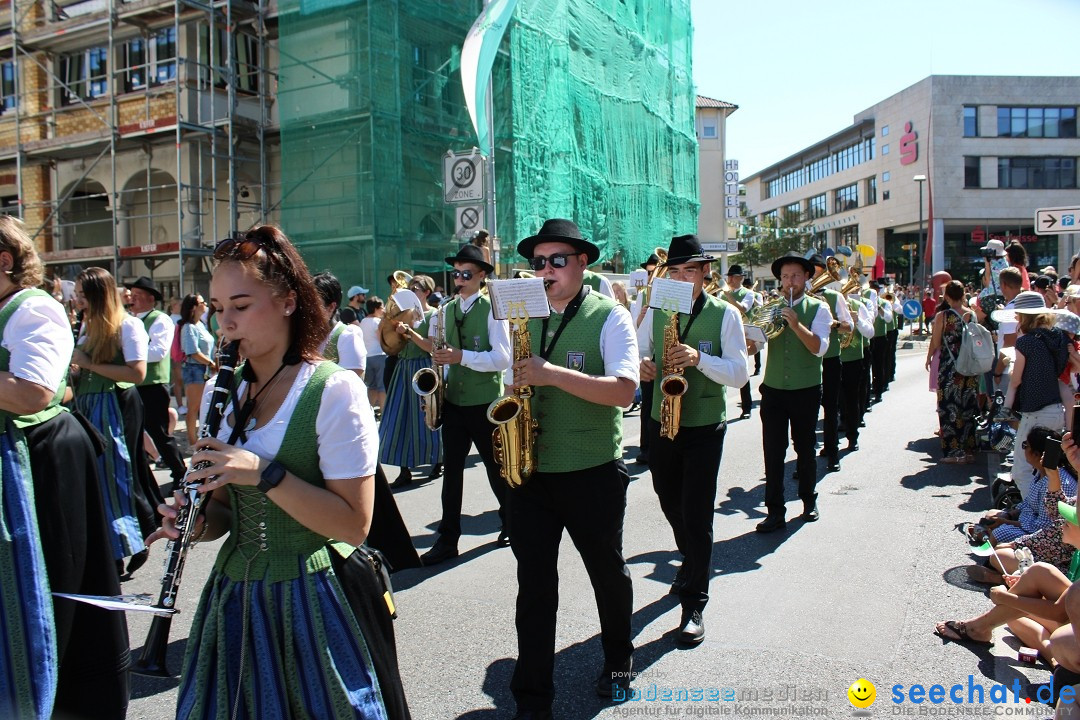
x=477 y=56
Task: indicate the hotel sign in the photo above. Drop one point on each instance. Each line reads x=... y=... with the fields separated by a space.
x=731 y=189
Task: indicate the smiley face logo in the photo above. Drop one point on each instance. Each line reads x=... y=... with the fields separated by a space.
x=862 y=693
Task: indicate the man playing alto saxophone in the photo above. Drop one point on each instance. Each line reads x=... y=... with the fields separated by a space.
x=711 y=352
x=583 y=369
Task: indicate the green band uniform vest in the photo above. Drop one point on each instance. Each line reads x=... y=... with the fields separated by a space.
x=160 y=371
x=854 y=351
x=788 y=364
x=592 y=280
x=469 y=331
x=265 y=542
x=575 y=434
x=880 y=326
x=705 y=401
x=413 y=351
x=832 y=299
x=54 y=407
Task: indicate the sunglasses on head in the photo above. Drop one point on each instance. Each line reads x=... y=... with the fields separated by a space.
x=240 y=247
x=465 y=275
x=557 y=260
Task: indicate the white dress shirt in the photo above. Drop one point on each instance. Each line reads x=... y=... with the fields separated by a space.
x=161 y=337
x=821 y=325
x=842 y=312
x=865 y=322
x=727 y=368
x=352 y=352
x=498 y=358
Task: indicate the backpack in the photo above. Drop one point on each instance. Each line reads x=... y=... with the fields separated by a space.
x=977 y=351
x=176 y=352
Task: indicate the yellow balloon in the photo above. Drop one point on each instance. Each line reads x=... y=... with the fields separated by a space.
x=866 y=251
x=862 y=693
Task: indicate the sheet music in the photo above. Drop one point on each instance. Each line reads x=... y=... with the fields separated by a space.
x=519 y=294
x=130 y=603
x=407 y=300
x=754 y=333
x=672 y=295
x=639 y=278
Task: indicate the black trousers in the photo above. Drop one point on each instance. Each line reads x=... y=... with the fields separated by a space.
x=864 y=386
x=781 y=410
x=851 y=398
x=878 y=355
x=463 y=427
x=746 y=402
x=646 y=413
x=757 y=362
x=155 y=399
x=890 y=360
x=830 y=402
x=684 y=472
x=590 y=504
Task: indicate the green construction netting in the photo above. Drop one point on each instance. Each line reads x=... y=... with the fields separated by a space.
x=594 y=120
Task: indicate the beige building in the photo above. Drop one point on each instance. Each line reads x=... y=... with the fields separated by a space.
x=992 y=150
x=711 y=121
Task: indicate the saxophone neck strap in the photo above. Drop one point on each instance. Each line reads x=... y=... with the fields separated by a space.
x=568 y=315
x=698 y=304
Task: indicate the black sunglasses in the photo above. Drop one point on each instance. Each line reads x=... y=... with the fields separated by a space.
x=465 y=275
x=557 y=260
x=240 y=247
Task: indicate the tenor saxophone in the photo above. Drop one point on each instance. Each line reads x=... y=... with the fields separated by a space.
x=514 y=439
x=428 y=382
x=673 y=384
x=152 y=659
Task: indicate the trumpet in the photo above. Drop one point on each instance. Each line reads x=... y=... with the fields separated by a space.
x=428 y=382
x=152 y=659
x=673 y=384
x=514 y=439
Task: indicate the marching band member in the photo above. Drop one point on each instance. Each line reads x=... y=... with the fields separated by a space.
x=749 y=285
x=894 y=337
x=477 y=353
x=584 y=368
x=830 y=369
x=853 y=369
x=711 y=352
x=646 y=385
x=735 y=292
x=791 y=391
x=883 y=316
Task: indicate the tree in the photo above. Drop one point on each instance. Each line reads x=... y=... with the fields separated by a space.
x=772 y=237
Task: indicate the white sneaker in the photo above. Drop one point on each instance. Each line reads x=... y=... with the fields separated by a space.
x=181 y=411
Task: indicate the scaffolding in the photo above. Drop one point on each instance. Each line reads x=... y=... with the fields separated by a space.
x=136 y=131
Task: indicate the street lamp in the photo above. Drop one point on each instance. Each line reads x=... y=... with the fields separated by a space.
x=922 y=248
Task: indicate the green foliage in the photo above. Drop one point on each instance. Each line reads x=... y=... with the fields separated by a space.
x=771 y=238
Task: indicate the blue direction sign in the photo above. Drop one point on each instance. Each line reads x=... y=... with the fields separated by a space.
x=912 y=309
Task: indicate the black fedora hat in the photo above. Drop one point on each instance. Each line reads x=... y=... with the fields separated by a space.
x=472 y=254
x=653 y=260
x=817 y=261
x=791 y=258
x=559 y=230
x=684 y=249
x=734 y=270
x=145 y=283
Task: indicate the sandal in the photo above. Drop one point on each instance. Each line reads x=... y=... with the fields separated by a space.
x=959 y=628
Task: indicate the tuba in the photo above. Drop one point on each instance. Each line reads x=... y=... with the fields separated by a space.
x=673 y=384
x=428 y=382
x=152 y=659
x=513 y=441
x=392 y=343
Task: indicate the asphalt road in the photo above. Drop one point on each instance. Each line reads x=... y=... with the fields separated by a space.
x=795 y=617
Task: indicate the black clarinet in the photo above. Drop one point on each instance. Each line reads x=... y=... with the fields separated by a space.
x=152 y=659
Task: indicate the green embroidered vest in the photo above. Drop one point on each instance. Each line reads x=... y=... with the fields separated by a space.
x=705 y=401
x=880 y=326
x=854 y=351
x=278 y=547
x=160 y=371
x=469 y=331
x=53 y=408
x=832 y=299
x=575 y=434
x=592 y=280
x=893 y=324
x=331 y=352
x=788 y=364
x=412 y=351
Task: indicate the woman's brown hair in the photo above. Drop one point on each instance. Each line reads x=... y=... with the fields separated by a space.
x=277 y=263
x=1030 y=321
x=27 y=270
x=104 y=314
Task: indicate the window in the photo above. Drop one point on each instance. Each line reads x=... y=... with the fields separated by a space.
x=838 y=161
x=420 y=75
x=245 y=59
x=885 y=149
x=884 y=130
x=884 y=195
x=816 y=207
x=708 y=130
x=8 y=99
x=86 y=75
x=971 y=121
x=847 y=198
x=971 y=172
x=794 y=211
x=154 y=59
x=885 y=176
x=164 y=44
x=848 y=236
x=871 y=191
x=1037 y=122
x=1037 y=173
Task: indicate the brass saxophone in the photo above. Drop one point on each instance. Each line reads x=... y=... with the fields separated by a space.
x=513 y=441
x=672 y=383
x=428 y=382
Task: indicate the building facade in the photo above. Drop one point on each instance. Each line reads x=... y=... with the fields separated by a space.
x=990 y=150
x=711 y=124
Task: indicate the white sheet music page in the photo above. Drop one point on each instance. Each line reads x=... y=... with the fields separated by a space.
x=672 y=295
x=510 y=297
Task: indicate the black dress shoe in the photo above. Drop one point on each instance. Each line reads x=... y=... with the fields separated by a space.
x=745 y=415
x=436 y=471
x=692 y=629
x=138 y=560
x=403 y=480
x=120 y=569
x=612 y=675
x=534 y=715
x=679 y=582
x=504 y=539
x=834 y=464
x=642 y=458
x=822 y=453
x=439 y=552
x=771 y=523
x=862 y=423
x=810 y=514
x=852 y=446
